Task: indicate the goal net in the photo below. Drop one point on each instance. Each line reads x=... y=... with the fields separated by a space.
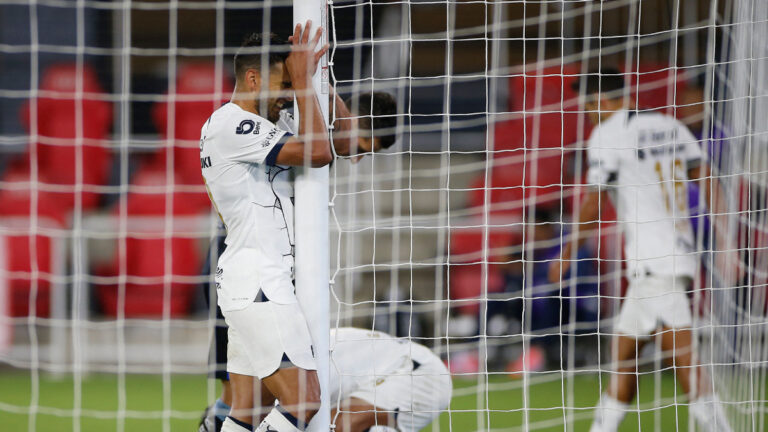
x=444 y=239
x=448 y=238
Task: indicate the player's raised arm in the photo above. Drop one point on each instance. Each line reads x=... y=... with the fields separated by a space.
x=301 y=65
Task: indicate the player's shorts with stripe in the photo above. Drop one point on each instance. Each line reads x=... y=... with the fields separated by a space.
x=417 y=393
x=217 y=356
x=652 y=302
x=266 y=334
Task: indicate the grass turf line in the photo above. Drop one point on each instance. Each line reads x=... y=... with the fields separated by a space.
x=144 y=396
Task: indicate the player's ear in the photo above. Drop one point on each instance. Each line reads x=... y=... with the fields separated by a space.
x=253 y=79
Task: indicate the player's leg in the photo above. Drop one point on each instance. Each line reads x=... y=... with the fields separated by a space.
x=674 y=310
x=705 y=406
x=614 y=402
x=636 y=321
x=298 y=391
x=271 y=341
x=249 y=399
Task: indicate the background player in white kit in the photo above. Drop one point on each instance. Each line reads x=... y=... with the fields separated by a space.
x=246 y=158
x=643 y=162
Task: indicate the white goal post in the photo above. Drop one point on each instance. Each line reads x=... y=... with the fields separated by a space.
x=312 y=236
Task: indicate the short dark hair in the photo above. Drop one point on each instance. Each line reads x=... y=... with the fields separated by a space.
x=254 y=46
x=608 y=82
x=377 y=112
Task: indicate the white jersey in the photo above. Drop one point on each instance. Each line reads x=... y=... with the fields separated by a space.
x=359 y=356
x=254 y=198
x=644 y=159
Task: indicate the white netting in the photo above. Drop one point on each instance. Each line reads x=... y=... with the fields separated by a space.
x=444 y=238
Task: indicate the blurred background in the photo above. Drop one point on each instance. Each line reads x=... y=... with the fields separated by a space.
x=446 y=237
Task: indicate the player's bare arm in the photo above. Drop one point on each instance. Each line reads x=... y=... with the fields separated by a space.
x=588 y=223
x=312 y=145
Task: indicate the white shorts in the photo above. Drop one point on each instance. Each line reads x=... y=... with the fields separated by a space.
x=262 y=333
x=417 y=395
x=652 y=302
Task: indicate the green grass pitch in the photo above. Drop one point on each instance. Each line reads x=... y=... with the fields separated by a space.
x=144 y=400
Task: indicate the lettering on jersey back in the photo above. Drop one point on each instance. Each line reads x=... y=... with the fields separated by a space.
x=248 y=126
x=205 y=162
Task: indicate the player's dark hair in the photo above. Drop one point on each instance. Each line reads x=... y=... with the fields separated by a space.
x=607 y=82
x=255 y=46
x=377 y=112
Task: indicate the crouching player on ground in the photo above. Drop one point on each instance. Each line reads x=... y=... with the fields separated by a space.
x=379 y=382
x=369 y=130
x=642 y=161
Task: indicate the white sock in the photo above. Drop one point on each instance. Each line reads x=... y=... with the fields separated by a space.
x=276 y=421
x=709 y=414
x=231 y=426
x=608 y=415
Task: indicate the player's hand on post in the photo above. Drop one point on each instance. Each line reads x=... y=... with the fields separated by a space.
x=302 y=61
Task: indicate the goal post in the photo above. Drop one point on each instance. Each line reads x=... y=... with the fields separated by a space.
x=312 y=236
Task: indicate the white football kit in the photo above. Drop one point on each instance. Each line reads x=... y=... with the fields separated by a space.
x=254 y=277
x=643 y=160
x=392 y=374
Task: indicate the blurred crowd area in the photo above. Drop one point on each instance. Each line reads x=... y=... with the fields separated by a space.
x=100 y=185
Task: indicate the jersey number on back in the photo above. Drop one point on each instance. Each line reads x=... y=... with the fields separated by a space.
x=678 y=181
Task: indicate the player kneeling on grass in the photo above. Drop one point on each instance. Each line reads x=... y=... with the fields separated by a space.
x=379 y=382
x=645 y=160
x=247 y=149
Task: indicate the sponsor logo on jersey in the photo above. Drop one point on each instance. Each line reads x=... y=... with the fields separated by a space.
x=248 y=126
x=270 y=137
x=205 y=162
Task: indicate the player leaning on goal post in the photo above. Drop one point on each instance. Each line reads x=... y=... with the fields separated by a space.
x=246 y=160
x=364 y=124
x=353 y=136
x=643 y=162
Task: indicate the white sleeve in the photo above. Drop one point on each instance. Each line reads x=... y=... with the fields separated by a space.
x=252 y=140
x=287 y=122
x=603 y=161
x=693 y=154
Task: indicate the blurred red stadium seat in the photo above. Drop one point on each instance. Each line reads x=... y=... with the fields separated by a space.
x=151 y=196
x=466 y=282
x=548 y=107
x=197 y=96
x=28 y=262
x=63 y=117
x=145 y=291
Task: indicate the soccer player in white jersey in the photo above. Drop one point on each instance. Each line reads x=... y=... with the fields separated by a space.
x=364 y=123
x=643 y=161
x=379 y=381
x=246 y=161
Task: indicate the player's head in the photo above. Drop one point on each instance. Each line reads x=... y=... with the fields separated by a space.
x=260 y=66
x=376 y=121
x=603 y=91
